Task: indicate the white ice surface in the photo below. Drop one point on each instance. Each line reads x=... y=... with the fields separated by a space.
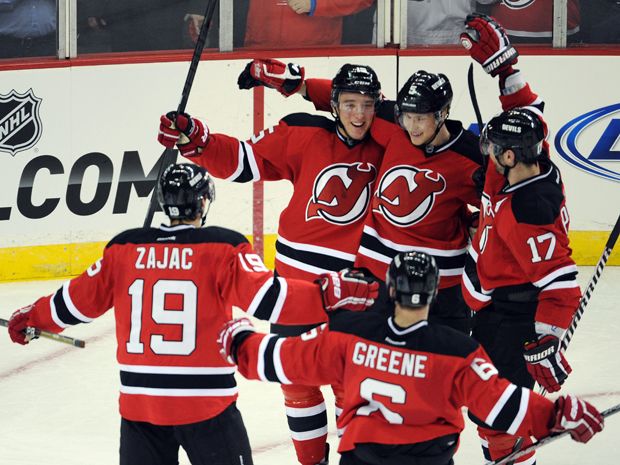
x=59 y=403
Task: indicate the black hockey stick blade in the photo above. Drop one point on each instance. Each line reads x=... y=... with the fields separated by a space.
x=35 y=332
x=546 y=440
x=169 y=156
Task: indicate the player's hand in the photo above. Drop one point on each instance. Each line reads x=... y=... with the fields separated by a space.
x=232 y=335
x=189 y=134
x=301 y=7
x=18 y=326
x=546 y=363
x=285 y=78
x=488 y=44
x=350 y=289
x=580 y=418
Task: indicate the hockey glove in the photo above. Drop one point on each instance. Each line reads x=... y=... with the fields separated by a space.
x=189 y=134
x=19 y=331
x=232 y=335
x=546 y=363
x=349 y=289
x=581 y=419
x=488 y=44
x=285 y=78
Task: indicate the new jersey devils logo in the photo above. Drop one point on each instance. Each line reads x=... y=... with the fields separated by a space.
x=341 y=193
x=20 y=124
x=405 y=195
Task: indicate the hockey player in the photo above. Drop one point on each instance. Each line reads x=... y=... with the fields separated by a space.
x=172 y=288
x=405 y=379
x=426 y=181
x=520 y=276
x=332 y=166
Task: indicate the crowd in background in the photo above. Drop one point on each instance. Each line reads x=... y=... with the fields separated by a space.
x=28 y=27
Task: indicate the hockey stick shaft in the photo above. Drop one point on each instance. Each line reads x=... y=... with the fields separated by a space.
x=585 y=298
x=46 y=334
x=609 y=246
x=170 y=155
x=472 y=96
x=546 y=440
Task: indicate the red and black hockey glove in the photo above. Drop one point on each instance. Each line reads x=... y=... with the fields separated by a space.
x=580 y=418
x=348 y=289
x=19 y=331
x=232 y=335
x=546 y=363
x=189 y=134
x=488 y=44
x=285 y=78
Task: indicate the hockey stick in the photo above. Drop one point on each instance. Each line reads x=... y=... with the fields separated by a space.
x=170 y=155
x=472 y=96
x=35 y=332
x=609 y=246
x=546 y=440
x=585 y=298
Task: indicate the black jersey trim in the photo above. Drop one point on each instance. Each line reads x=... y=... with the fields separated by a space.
x=268 y=360
x=264 y=310
x=443 y=263
x=211 y=234
x=62 y=310
x=308 y=423
x=308 y=120
x=176 y=381
x=314 y=259
x=246 y=174
x=509 y=411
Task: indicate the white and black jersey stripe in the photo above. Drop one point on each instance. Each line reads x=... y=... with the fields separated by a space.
x=247 y=168
x=311 y=258
x=449 y=262
x=64 y=311
x=173 y=381
x=509 y=411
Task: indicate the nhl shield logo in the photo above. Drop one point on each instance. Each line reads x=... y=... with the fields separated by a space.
x=20 y=123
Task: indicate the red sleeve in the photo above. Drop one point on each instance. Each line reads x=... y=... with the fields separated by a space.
x=319 y=92
x=499 y=403
x=79 y=300
x=340 y=7
x=543 y=254
x=264 y=157
x=314 y=358
x=247 y=283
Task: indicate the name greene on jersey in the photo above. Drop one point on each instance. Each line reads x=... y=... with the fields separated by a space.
x=170 y=258
x=389 y=360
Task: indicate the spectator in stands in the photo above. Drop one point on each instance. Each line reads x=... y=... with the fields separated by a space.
x=27 y=28
x=279 y=24
x=533 y=23
x=437 y=21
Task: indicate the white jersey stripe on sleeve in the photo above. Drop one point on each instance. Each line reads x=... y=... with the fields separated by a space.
x=277 y=363
x=525 y=400
x=71 y=306
x=499 y=405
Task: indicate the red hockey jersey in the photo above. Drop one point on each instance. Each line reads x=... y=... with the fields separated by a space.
x=401 y=385
x=320 y=228
x=522 y=239
x=172 y=290
x=533 y=18
x=420 y=201
x=273 y=24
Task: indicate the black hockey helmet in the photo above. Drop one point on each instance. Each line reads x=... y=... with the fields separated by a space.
x=414 y=276
x=519 y=129
x=360 y=79
x=182 y=187
x=424 y=93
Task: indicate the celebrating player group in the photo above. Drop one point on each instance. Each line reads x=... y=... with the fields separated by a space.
x=419 y=269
